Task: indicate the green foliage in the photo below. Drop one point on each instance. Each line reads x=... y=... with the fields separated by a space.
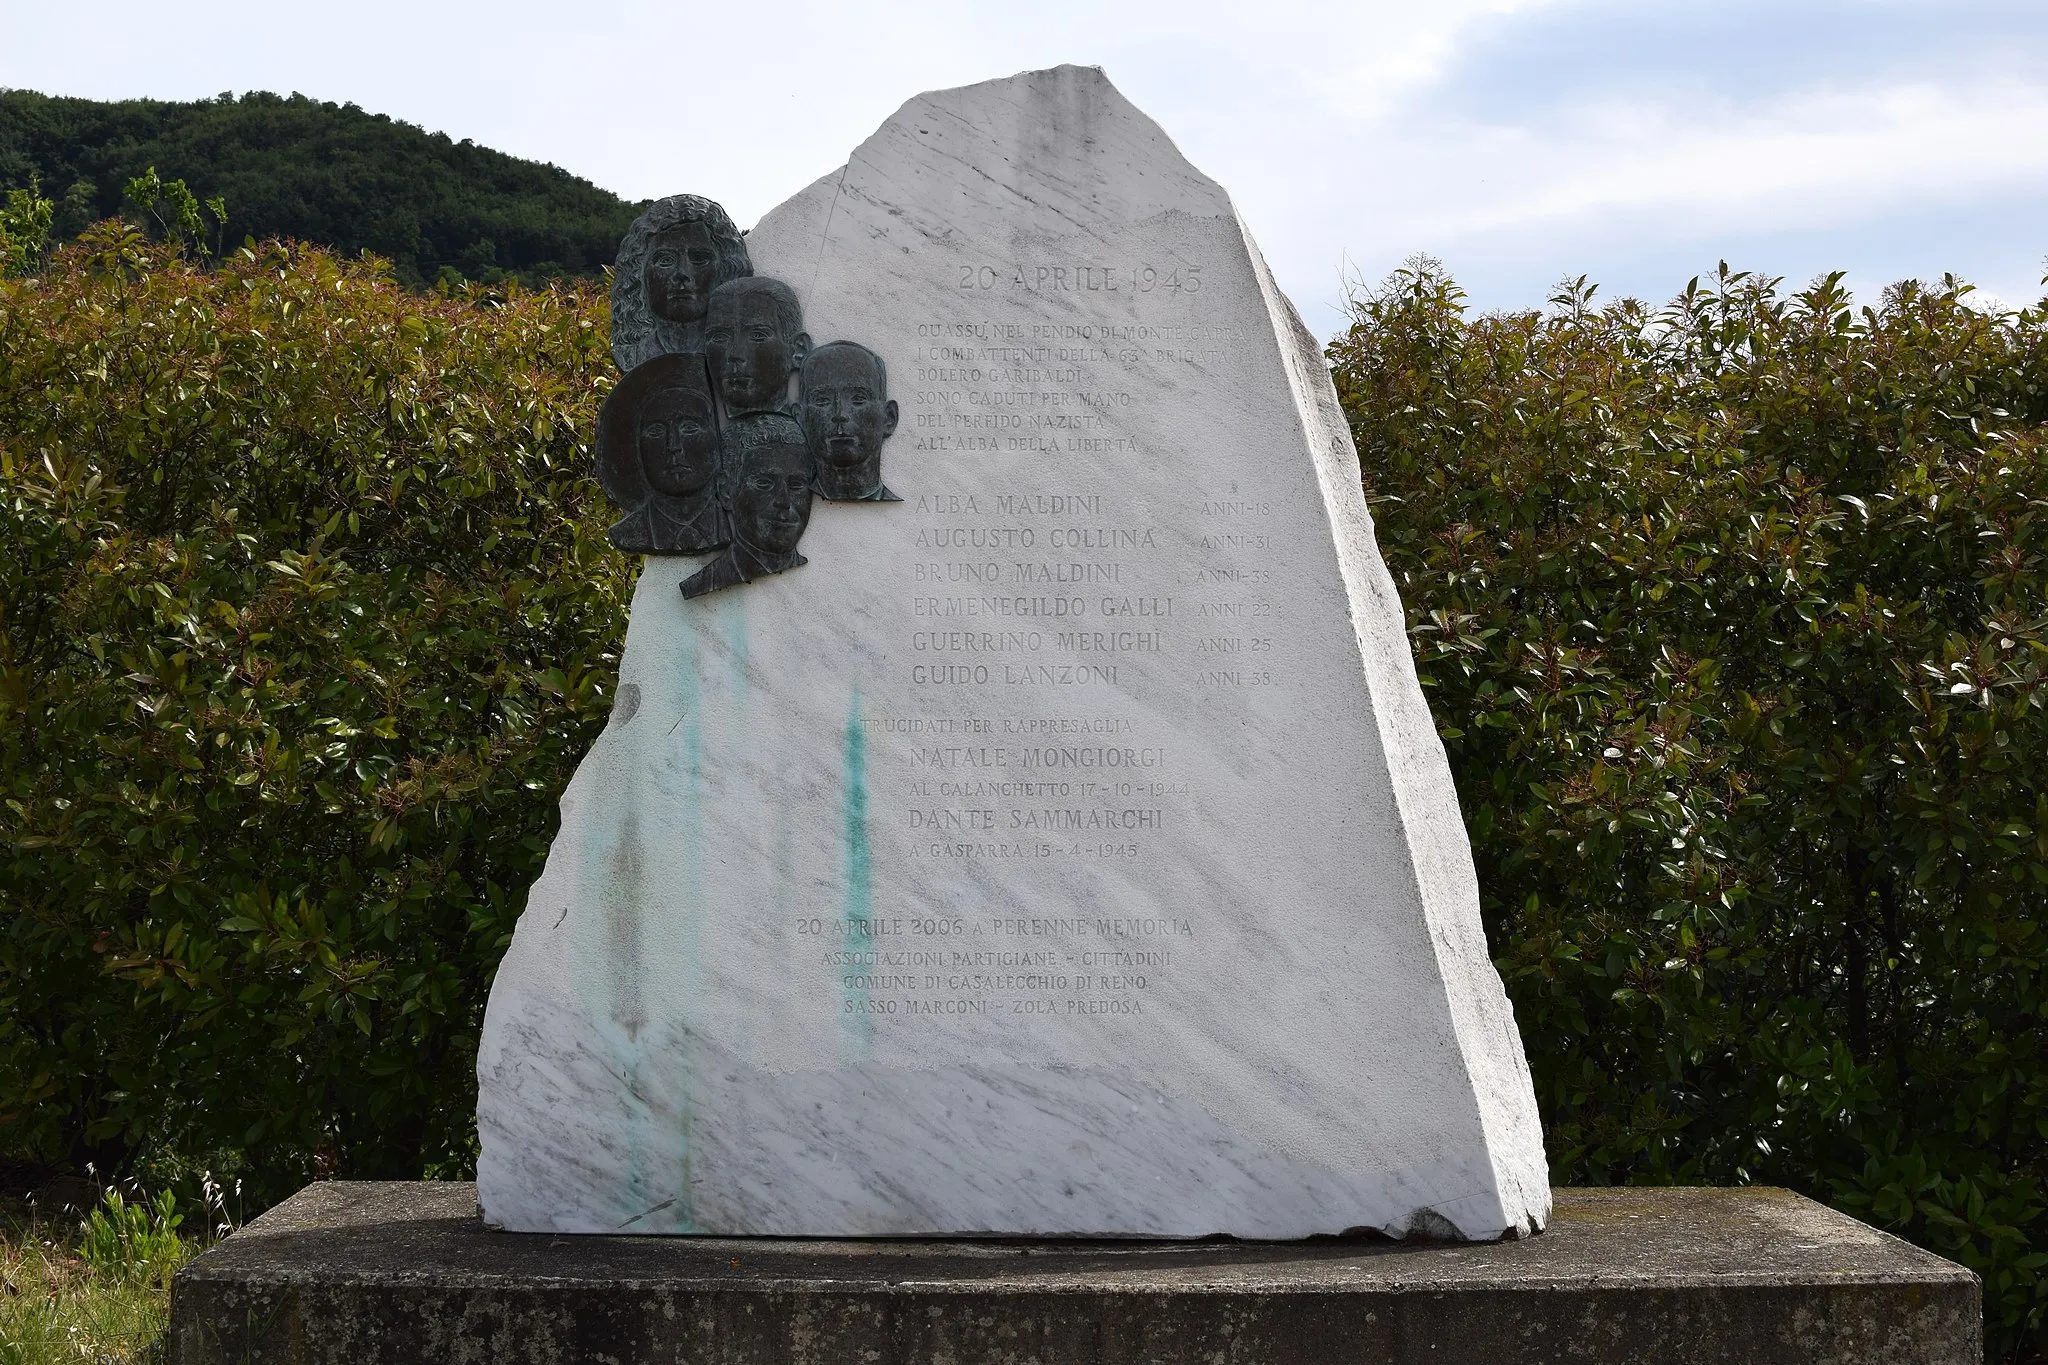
x=135 y=1243
x=308 y=615
x=25 y=221
x=95 y=1292
x=1732 y=612
x=1733 y=616
x=325 y=173
x=174 y=210
x=56 y=1310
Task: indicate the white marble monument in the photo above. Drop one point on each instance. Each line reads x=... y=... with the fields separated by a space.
x=1065 y=848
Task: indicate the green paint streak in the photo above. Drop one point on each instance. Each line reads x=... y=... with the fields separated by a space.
x=858 y=913
x=692 y=927
x=733 y=615
x=670 y=778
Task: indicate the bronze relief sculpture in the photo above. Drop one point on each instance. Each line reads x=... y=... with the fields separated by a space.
x=771 y=503
x=754 y=340
x=670 y=260
x=658 y=457
x=847 y=415
x=702 y=444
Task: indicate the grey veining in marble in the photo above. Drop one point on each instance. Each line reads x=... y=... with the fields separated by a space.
x=1067 y=848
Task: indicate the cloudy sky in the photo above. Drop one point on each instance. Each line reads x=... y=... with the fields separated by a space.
x=1520 y=141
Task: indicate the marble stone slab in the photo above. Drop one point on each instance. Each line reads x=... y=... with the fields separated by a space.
x=1065 y=849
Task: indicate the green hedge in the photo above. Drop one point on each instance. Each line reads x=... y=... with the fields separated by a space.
x=308 y=616
x=1733 y=615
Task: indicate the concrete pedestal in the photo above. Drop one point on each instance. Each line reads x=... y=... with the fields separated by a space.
x=353 y=1273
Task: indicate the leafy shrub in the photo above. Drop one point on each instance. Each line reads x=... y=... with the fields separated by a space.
x=136 y=1243
x=25 y=218
x=308 y=616
x=56 y=1309
x=174 y=210
x=1732 y=614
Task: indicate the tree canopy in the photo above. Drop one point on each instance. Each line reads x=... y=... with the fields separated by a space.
x=331 y=174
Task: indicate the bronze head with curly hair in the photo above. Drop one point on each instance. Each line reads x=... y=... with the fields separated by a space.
x=671 y=259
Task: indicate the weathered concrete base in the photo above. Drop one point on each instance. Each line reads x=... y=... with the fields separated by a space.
x=356 y=1273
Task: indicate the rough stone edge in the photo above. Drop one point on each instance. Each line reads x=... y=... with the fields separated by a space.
x=1446 y=882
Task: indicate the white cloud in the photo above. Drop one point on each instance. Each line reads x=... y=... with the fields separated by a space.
x=1356 y=131
x=1809 y=158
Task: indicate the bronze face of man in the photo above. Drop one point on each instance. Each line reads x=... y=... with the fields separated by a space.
x=847 y=415
x=771 y=499
x=754 y=340
x=770 y=503
x=681 y=269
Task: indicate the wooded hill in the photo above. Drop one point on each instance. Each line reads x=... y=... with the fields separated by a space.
x=326 y=173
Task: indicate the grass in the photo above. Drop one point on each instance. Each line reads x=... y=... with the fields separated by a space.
x=91 y=1292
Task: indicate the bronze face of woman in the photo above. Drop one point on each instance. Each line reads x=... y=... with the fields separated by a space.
x=678 y=439
x=659 y=457
x=681 y=270
x=668 y=263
